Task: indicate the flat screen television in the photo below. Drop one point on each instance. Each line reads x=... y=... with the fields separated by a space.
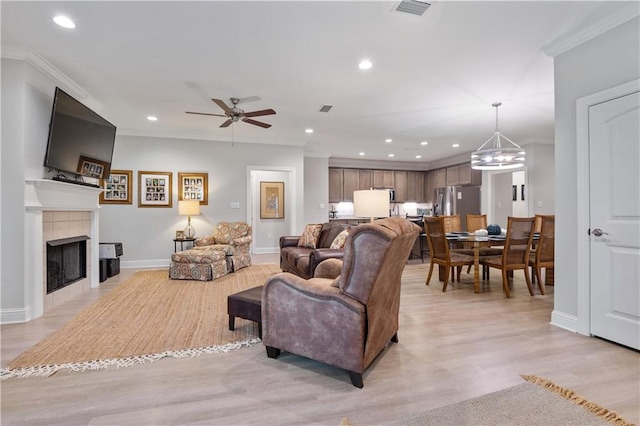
x=80 y=141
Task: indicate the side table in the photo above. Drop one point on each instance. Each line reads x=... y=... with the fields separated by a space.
x=181 y=241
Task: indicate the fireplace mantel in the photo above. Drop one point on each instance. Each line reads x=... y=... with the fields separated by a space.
x=43 y=195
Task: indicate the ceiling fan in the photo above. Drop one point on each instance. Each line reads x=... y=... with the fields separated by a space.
x=235 y=114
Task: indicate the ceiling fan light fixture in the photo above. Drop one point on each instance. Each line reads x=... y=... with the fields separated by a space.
x=492 y=155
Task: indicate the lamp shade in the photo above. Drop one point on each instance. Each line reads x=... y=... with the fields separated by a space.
x=189 y=208
x=371 y=203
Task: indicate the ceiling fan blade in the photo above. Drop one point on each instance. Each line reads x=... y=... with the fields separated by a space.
x=227 y=123
x=205 y=113
x=257 y=123
x=223 y=105
x=259 y=113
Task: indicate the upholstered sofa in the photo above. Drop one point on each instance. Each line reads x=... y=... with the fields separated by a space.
x=232 y=238
x=303 y=260
x=348 y=312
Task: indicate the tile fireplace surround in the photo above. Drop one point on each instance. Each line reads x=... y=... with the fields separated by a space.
x=57 y=210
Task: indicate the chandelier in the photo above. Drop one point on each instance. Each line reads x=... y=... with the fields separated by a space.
x=492 y=155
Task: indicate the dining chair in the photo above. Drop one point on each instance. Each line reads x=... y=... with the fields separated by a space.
x=439 y=249
x=418 y=220
x=452 y=223
x=515 y=254
x=479 y=221
x=543 y=256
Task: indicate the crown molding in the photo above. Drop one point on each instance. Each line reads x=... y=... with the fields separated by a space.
x=46 y=68
x=587 y=32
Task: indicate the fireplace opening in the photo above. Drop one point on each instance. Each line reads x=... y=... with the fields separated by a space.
x=66 y=262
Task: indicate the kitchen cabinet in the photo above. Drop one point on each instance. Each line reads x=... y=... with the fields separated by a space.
x=429 y=186
x=336 y=190
x=400 y=186
x=453 y=177
x=476 y=177
x=415 y=187
x=366 y=179
x=351 y=182
x=464 y=174
x=383 y=179
x=441 y=178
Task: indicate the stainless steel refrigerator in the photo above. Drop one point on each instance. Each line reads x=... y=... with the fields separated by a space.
x=460 y=200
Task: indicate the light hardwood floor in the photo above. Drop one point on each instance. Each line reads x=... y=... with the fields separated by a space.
x=453 y=346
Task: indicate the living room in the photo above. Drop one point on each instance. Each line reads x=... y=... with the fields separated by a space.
x=147 y=233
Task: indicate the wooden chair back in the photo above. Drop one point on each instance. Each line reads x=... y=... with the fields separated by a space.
x=545 y=247
x=476 y=221
x=518 y=242
x=436 y=237
x=452 y=223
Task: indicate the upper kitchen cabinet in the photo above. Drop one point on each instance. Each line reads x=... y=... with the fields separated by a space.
x=453 y=176
x=383 y=179
x=366 y=179
x=351 y=182
x=400 y=186
x=415 y=187
x=336 y=180
x=441 y=178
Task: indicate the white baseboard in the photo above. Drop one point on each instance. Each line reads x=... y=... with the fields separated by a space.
x=146 y=264
x=13 y=316
x=266 y=250
x=565 y=321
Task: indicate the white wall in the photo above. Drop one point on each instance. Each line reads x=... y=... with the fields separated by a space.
x=147 y=233
x=603 y=62
x=316 y=191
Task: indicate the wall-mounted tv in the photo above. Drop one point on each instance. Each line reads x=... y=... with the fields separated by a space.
x=80 y=141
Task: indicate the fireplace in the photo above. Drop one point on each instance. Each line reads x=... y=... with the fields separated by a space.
x=66 y=262
x=58 y=211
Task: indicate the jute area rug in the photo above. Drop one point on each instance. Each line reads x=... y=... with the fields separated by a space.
x=146 y=318
x=536 y=402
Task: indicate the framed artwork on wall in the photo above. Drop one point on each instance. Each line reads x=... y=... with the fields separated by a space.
x=271 y=200
x=92 y=167
x=154 y=189
x=522 y=192
x=117 y=188
x=193 y=186
x=514 y=192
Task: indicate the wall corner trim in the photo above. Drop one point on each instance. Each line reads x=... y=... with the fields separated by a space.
x=585 y=33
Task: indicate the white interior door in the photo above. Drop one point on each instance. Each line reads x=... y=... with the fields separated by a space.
x=614 y=193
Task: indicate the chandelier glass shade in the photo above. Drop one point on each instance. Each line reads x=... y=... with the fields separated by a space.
x=494 y=155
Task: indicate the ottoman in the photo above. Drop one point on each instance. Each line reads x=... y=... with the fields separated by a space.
x=246 y=304
x=202 y=265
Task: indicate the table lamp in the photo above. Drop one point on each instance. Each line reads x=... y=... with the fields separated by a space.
x=189 y=208
x=371 y=203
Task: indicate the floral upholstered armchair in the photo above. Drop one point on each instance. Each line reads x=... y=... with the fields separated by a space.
x=234 y=239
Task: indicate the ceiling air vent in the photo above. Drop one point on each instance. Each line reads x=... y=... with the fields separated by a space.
x=412 y=6
x=326 y=108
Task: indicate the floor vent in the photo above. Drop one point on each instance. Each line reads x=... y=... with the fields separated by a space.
x=412 y=6
x=326 y=108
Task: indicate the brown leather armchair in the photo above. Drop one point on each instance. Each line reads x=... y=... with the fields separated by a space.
x=348 y=312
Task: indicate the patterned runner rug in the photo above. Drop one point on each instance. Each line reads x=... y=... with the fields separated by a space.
x=145 y=318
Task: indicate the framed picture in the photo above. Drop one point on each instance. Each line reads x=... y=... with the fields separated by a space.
x=193 y=186
x=179 y=235
x=271 y=200
x=522 y=192
x=117 y=188
x=154 y=189
x=514 y=192
x=92 y=168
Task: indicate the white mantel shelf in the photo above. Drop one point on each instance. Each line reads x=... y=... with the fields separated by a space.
x=47 y=194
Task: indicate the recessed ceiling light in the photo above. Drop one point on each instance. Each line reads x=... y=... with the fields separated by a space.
x=365 y=64
x=418 y=156
x=424 y=143
x=391 y=155
x=63 y=21
x=388 y=140
x=152 y=118
x=361 y=154
x=308 y=130
x=455 y=145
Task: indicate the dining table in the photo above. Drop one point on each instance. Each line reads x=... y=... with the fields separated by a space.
x=478 y=241
x=475 y=241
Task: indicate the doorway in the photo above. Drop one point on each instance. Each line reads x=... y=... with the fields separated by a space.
x=267 y=230
x=609 y=215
